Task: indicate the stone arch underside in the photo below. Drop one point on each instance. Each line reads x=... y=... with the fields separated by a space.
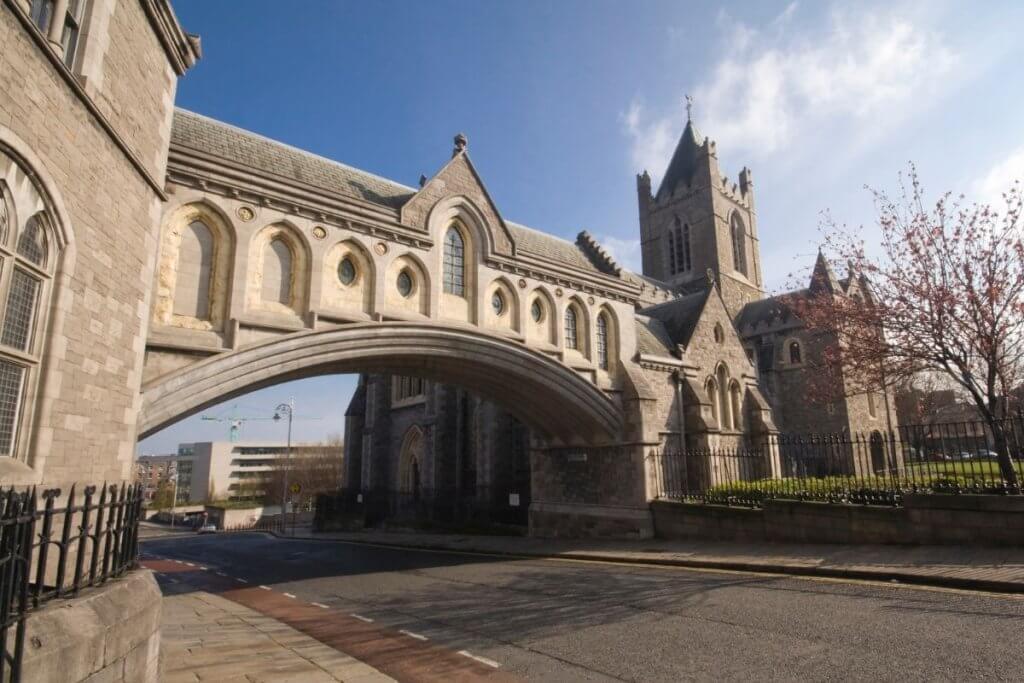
x=542 y=392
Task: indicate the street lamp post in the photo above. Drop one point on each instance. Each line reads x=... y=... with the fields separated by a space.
x=290 y=409
x=174 y=495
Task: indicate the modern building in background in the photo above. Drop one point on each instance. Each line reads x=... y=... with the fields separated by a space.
x=225 y=470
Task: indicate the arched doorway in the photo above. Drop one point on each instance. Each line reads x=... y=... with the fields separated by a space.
x=409 y=464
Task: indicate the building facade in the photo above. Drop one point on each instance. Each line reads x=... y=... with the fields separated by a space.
x=86 y=97
x=235 y=471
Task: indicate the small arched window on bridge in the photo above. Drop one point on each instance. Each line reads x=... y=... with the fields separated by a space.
x=347 y=271
x=572 y=337
x=602 y=341
x=795 y=354
x=536 y=311
x=404 y=283
x=454 y=263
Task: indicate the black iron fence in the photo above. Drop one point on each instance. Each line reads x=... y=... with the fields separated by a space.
x=874 y=468
x=49 y=552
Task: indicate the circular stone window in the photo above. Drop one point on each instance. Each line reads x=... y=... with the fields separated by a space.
x=404 y=283
x=536 y=311
x=347 y=271
x=498 y=303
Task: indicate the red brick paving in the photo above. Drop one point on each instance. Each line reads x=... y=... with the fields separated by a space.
x=395 y=654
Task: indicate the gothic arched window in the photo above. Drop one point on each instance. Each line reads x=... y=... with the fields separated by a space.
x=454 y=263
x=672 y=266
x=602 y=341
x=195 y=271
x=795 y=355
x=26 y=274
x=739 y=237
x=685 y=262
x=277 y=272
x=572 y=339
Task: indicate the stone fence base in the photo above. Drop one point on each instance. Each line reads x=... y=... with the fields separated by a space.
x=577 y=520
x=109 y=634
x=923 y=520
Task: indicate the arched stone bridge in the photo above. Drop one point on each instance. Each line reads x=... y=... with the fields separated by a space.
x=276 y=264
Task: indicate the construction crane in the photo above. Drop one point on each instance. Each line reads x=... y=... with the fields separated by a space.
x=234 y=421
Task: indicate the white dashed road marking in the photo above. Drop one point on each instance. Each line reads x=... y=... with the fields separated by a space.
x=289 y=595
x=266 y=588
x=360 y=617
x=482 y=660
x=320 y=605
x=417 y=636
x=241 y=580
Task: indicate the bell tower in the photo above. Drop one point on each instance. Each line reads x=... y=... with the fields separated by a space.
x=698 y=221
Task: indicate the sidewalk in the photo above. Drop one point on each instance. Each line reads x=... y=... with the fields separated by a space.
x=209 y=638
x=974 y=568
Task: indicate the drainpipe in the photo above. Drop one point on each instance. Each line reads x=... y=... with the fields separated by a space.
x=680 y=418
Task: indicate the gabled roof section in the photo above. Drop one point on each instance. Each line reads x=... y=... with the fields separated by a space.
x=242 y=147
x=459 y=177
x=680 y=316
x=684 y=162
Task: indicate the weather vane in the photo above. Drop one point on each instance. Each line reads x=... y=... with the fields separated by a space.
x=689 y=107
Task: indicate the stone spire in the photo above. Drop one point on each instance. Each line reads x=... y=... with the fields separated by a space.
x=823 y=279
x=684 y=162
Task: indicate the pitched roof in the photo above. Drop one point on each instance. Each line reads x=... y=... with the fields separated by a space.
x=243 y=147
x=207 y=135
x=652 y=338
x=684 y=160
x=823 y=279
x=680 y=316
x=542 y=244
x=764 y=311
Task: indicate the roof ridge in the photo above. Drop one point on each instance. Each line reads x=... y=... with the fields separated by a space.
x=306 y=152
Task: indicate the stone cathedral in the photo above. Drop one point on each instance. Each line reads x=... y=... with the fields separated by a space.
x=740 y=355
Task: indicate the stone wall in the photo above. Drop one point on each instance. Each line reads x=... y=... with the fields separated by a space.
x=923 y=520
x=109 y=634
x=81 y=410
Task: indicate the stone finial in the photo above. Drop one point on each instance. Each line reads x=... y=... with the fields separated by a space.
x=423 y=180
x=461 y=142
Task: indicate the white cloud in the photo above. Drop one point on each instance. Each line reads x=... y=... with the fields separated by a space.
x=625 y=252
x=869 y=70
x=989 y=189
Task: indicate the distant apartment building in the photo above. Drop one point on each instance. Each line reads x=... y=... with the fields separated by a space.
x=226 y=470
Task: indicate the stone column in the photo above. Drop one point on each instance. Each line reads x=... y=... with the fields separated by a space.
x=56 y=30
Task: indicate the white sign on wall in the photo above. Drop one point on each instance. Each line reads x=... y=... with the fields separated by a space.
x=513 y=500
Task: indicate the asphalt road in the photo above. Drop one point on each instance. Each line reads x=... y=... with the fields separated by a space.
x=567 y=621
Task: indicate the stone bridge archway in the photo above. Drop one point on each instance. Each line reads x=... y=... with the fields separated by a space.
x=544 y=393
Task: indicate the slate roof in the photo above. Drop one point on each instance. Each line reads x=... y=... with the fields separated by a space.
x=652 y=338
x=204 y=134
x=684 y=160
x=534 y=241
x=680 y=316
x=764 y=311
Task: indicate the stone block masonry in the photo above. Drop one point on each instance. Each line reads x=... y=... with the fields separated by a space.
x=922 y=520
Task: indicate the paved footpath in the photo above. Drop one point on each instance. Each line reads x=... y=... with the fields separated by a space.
x=220 y=628
x=972 y=568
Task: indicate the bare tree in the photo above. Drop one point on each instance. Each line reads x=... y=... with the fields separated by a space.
x=316 y=469
x=944 y=295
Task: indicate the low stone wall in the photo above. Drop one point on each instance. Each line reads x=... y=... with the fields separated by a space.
x=923 y=520
x=109 y=634
x=571 y=520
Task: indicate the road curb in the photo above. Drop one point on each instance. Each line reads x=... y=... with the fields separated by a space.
x=881 y=576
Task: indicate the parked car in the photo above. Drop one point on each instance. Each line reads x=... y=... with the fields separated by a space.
x=984 y=453
x=207 y=529
x=964 y=455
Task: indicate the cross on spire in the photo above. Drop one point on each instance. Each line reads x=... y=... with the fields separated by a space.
x=689 y=107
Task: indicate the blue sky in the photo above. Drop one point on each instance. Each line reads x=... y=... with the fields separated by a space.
x=564 y=102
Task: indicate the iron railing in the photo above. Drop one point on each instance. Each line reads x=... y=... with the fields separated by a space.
x=875 y=468
x=49 y=552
